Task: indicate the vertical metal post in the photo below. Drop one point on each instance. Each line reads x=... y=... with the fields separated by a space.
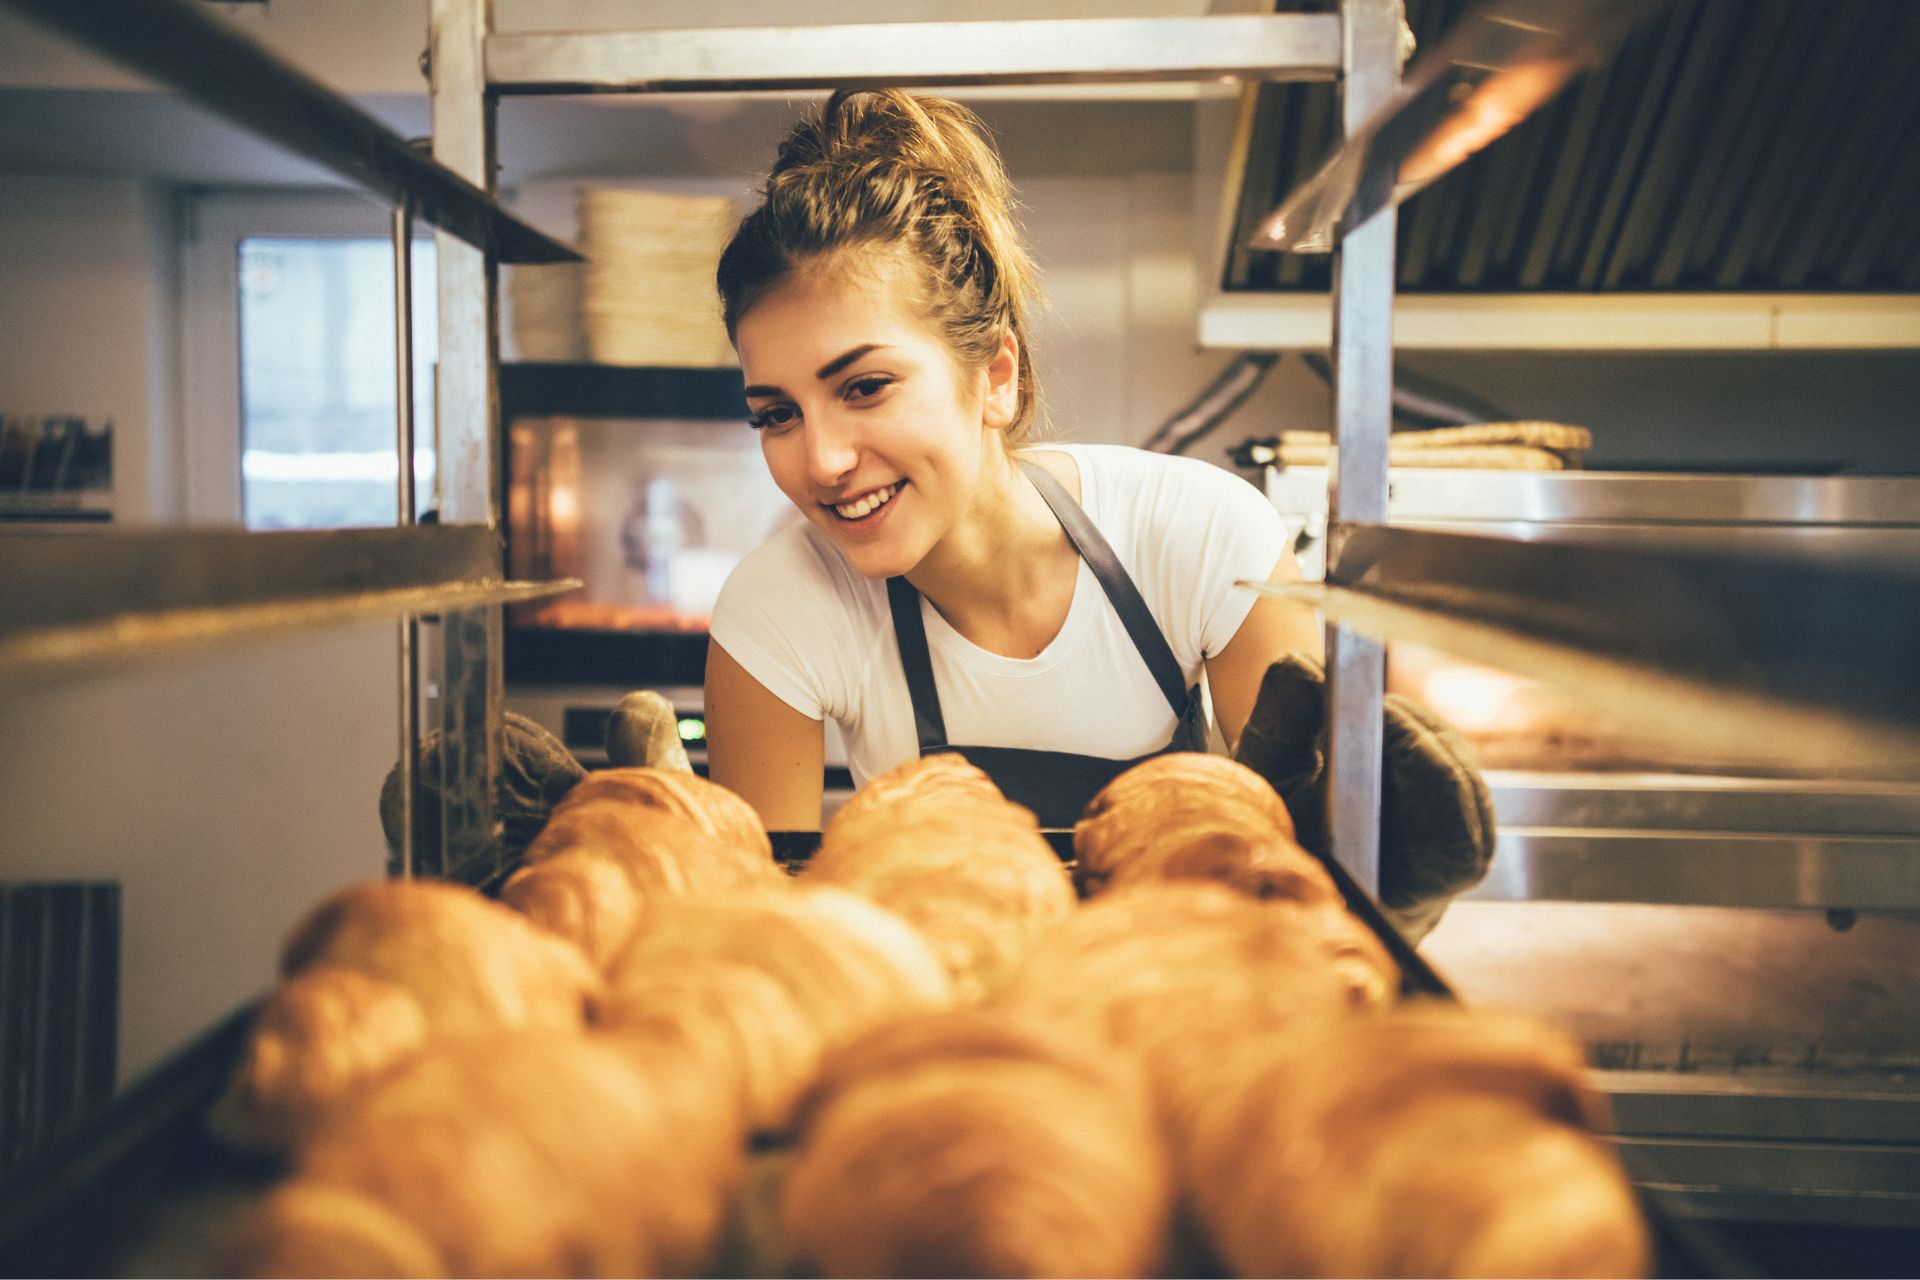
x=403 y=421
x=1363 y=412
x=468 y=442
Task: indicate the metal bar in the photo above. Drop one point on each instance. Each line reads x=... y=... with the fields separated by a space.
x=166 y=591
x=1795 y=658
x=1023 y=51
x=1874 y=1108
x=1504 y=59
x=1363 y=413
x=467 y=415
x=1654 y=498
x=403 y=423
x=1683 y=805
x=1708 y=869
x=184 y=46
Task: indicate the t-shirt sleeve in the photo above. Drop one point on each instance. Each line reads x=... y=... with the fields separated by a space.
x=775 y=617
x=1226 y=532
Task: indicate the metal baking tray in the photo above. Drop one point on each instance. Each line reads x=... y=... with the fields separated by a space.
x=146 y=1190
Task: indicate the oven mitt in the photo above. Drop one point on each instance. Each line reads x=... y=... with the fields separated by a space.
x=644 y=729
x=536 y=769
x=1436 y=816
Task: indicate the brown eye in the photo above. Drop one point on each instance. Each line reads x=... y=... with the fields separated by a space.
x=774 y=416
x=867 y=388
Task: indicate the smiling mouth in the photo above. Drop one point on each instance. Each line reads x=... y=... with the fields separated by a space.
x=867 y=504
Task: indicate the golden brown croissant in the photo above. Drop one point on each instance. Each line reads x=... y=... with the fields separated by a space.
x=472 y=964
x=543 y=1154
x=837 y=963
x=972 y=1143
x=311 y=1229
x=713 y=809
x=918 y=781
x=1421 y=1142
x=934 y=841
x=587 y=898
x=1188 y=814
x=316 y=1039
x=1164 y=969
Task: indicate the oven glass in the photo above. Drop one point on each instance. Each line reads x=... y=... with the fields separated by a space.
x=651 y=514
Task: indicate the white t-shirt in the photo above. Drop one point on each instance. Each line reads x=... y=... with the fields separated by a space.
x=819 y=636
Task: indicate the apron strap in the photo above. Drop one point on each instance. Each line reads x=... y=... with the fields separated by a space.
x=910 y=633
x=1112 y=575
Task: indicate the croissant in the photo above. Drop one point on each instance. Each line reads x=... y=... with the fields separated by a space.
x=585 y=897
x=317 y=1038
x=471 y=964
x=1422 y=1142
x=934 y=841
x=739 y=837
x=1188 y=814
x=304 y=1228
x=970 y=1143
x=918 y=781
x=541 y=1154
x=1163 y=970
x=829 y=964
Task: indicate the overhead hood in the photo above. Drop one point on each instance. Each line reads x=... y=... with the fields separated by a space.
x=1732 y=146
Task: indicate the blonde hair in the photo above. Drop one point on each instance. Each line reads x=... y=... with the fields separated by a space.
x=879 y=168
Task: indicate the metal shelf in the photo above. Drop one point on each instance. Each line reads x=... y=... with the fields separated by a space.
x=1723 y=649
x=180 y=44
x=1019 y=52
x=71 y=604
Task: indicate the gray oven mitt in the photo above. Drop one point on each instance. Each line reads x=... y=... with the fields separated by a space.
x=1436 y=816
x=644 y=729
x=536 y=769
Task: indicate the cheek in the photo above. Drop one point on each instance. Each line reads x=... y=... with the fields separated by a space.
x=784 y=463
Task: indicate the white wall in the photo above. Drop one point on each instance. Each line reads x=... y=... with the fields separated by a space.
x=225 y=793
x=83 y=268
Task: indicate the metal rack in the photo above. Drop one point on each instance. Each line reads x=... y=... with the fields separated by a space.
x=1377 y=569
x=74 y=605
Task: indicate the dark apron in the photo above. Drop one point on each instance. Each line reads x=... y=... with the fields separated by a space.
x=1056 y=785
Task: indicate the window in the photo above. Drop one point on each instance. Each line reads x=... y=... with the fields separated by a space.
x=289 y=357
x=317 y=422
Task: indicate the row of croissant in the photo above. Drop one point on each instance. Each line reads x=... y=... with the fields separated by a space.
x=964 y=1069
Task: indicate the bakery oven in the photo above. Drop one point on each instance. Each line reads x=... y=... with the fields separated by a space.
x=648 y=486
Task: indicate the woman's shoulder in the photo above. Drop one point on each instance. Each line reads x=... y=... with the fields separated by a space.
x=795 y=568
x=1157 y=485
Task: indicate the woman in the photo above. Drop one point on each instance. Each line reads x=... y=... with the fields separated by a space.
x=951 y=586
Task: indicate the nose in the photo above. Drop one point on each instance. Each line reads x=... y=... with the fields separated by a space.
x=833 y=448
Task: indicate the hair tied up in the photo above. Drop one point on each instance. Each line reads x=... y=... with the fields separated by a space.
x=915 y=176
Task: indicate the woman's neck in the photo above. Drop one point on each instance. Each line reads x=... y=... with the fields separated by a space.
x=1003 y=576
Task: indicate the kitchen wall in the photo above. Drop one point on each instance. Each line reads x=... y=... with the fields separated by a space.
x=228 y=793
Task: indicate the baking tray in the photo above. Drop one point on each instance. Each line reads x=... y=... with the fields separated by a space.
x=145 y=1190
x=1417 y=977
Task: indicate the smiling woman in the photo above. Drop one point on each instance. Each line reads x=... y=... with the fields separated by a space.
x=953 y=584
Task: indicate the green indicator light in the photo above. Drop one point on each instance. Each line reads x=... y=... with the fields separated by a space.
x=693 y=730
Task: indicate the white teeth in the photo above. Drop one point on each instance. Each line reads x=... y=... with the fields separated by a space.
x=854 y=510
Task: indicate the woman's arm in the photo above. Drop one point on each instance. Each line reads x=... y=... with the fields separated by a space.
x=1272 y=628
x=762 y=749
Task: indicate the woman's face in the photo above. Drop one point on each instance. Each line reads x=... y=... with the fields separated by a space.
x=867 y=423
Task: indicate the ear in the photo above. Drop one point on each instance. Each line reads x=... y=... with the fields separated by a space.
x=1001 y=403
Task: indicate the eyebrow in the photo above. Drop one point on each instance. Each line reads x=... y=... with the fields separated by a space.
x=824 y=372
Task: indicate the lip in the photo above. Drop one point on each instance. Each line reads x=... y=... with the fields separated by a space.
x=842 y=500
x=867 y=525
